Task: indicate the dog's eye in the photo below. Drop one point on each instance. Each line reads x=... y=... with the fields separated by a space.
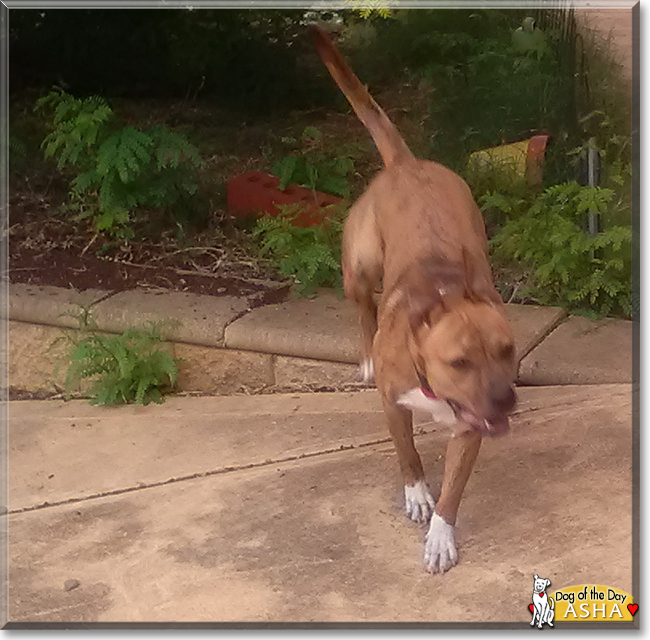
x=460 y=364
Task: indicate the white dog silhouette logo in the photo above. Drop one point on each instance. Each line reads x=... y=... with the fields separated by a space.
x=543 y=607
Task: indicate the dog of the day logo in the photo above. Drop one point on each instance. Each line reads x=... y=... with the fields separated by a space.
x=594 y=602
x=587 y=602
x=543 y=607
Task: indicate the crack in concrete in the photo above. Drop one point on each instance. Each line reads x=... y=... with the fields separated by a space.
x=238 y=316
x=108 y=295
x=422 y=429
x=533 y=344
x=207 y=474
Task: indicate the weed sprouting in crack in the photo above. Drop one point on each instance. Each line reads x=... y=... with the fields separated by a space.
x=132 y=367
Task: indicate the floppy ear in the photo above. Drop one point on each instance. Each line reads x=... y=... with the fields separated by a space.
x=548 y=582
x=475 y=286
x=421 y=307
x=469 y=273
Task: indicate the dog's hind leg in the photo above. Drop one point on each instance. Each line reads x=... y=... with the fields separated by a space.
x=367 y=312
x=550 y=615
x=362 y=271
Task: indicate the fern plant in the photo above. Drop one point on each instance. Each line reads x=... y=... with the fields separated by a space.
x=126 y=368
x=77 y=125
x=568 y=266
x=311 y=256
x=118 y=169
x=312 y=167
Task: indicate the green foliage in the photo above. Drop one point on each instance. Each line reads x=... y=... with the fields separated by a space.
x=603 y=134
x=311 y=256
x=368 y=9
x=480 y=90
x=313 y=167
x=77 y=125
x=497 y=96
x=566 y=264
x=118 y=169
x=126 y=368
x=17 y=152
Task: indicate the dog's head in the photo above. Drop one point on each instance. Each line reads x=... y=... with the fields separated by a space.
x=463 y=346
x=540 y=584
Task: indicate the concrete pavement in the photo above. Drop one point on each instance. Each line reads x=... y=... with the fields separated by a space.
x=288 y=508
x=283 y=508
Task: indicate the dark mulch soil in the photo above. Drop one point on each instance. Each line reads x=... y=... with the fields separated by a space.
x=46 y=247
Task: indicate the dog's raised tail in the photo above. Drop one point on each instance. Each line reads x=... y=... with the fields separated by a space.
x=390 y=144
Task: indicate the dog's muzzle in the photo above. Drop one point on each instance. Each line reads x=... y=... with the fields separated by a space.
x=496 y=425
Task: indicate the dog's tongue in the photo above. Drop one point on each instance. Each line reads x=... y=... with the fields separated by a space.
x=493 y=427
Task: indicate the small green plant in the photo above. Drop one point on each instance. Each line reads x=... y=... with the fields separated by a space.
x=126 y=368
x=17 y=152
x=367 y=10
x=311 y=255
x=117 y=169
x=566 y=264
x=313 y=167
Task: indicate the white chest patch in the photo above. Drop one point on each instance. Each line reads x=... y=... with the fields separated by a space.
x=439 y=410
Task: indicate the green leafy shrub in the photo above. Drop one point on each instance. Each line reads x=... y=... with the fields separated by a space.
x=313 y=167
x=118 y=169
x=126 y=368
x=311 y=255
x=17 y=152
x=478 y=90
x=567 y=265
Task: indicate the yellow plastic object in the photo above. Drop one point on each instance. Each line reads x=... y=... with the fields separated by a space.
x=509 y=157
x=522 y=159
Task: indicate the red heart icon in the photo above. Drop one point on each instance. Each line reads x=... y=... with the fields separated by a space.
x=632 y=608
x=532 y=608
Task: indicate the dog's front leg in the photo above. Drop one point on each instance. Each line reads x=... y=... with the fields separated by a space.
x=418 y=499
x=541 y=615
x=440 y=552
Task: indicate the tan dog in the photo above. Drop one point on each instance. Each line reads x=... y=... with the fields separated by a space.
x=440 y=339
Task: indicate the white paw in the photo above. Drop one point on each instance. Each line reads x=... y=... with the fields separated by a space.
x=419 y=502
x=440 y=552
x=367 y=370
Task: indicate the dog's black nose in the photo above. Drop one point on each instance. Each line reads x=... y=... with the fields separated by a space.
x=503 y=397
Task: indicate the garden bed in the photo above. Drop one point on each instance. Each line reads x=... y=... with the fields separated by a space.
x=202 y=249
x=46 y=259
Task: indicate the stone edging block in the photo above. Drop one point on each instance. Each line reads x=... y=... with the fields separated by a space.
x=531 y=324
x=186 y=317
x=49 y=305
x=310 y=341
x=581 y=351
x=321 y=328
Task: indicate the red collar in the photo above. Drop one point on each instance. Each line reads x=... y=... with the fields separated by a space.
x=425 y=387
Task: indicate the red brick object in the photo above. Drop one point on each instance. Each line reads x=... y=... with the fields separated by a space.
x=255 y=192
